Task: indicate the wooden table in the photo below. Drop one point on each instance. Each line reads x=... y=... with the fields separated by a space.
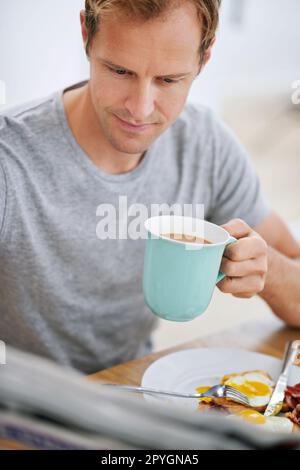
x=268 y=337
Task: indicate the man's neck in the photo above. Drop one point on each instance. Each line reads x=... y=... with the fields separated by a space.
x=86 y=129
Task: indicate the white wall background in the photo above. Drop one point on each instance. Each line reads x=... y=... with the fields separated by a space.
x=40 y=47
x=258 y=49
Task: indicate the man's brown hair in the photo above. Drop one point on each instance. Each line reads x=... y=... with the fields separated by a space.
x=208 y=11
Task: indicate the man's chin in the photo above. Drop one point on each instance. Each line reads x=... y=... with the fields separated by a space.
x=131 y=148
x=131 y=151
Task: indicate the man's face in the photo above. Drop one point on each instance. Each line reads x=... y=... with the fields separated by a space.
x=141 y=73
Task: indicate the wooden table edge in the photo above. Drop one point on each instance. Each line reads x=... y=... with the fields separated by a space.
x=267 y=337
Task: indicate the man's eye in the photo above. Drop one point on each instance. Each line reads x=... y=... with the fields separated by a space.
x=120 y=71
x=169 y=81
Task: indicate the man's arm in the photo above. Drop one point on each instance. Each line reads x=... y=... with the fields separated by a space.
x=264 y=261
x=282 y=285
x=277 y=235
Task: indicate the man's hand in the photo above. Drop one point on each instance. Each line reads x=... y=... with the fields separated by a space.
x=245 y=262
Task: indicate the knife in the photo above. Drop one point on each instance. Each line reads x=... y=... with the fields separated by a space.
x=276 y=401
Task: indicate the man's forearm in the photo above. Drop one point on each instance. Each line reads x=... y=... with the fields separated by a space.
x=282 y=287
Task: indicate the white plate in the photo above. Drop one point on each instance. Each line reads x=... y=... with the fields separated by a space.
x=184 y=371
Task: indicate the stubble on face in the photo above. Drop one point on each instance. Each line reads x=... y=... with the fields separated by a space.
x=122 y=140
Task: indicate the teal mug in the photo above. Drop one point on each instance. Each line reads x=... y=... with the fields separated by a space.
x=180 y=277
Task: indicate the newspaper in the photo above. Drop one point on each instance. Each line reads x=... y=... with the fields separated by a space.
x=46 y=406
x=19 y=432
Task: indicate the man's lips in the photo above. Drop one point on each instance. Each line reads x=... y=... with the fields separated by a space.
x=133 y=127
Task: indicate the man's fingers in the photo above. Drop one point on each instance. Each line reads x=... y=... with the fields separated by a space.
x=246 y=285
x=237 y=228
x=244 y=268
x=246 y=248
x=245 y=262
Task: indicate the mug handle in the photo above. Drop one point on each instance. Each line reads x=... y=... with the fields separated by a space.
x=222 y=275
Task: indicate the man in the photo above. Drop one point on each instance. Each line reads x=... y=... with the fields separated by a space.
x=64 y=293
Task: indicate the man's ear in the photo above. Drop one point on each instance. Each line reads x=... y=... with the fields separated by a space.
x=84 y=31
x=207 y=55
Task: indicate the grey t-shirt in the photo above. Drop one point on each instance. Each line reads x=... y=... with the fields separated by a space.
x=65 y=293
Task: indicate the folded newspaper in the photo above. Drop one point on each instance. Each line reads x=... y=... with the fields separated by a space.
x=46 y=406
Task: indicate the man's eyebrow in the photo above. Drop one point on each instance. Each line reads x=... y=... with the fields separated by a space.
x=115 y=66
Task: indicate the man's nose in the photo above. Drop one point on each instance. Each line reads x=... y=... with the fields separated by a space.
x=141 y=102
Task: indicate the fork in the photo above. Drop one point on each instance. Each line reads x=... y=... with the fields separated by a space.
x=219 y=391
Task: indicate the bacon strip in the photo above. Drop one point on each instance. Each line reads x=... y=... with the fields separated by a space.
x=292 y=401
x=294 y=415
x=292 y=396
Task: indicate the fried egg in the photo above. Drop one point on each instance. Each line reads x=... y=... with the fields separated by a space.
x=270 y=423
x=202 y=390
x=256 y=385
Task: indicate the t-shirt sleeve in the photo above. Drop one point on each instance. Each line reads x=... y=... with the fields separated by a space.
x=237 y=191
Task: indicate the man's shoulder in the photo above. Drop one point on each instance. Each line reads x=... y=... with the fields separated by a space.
x=197 y=121
x=26 y=117
x=196 y=110
x=201 y=131
x=25 y=132
x=18 y=110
